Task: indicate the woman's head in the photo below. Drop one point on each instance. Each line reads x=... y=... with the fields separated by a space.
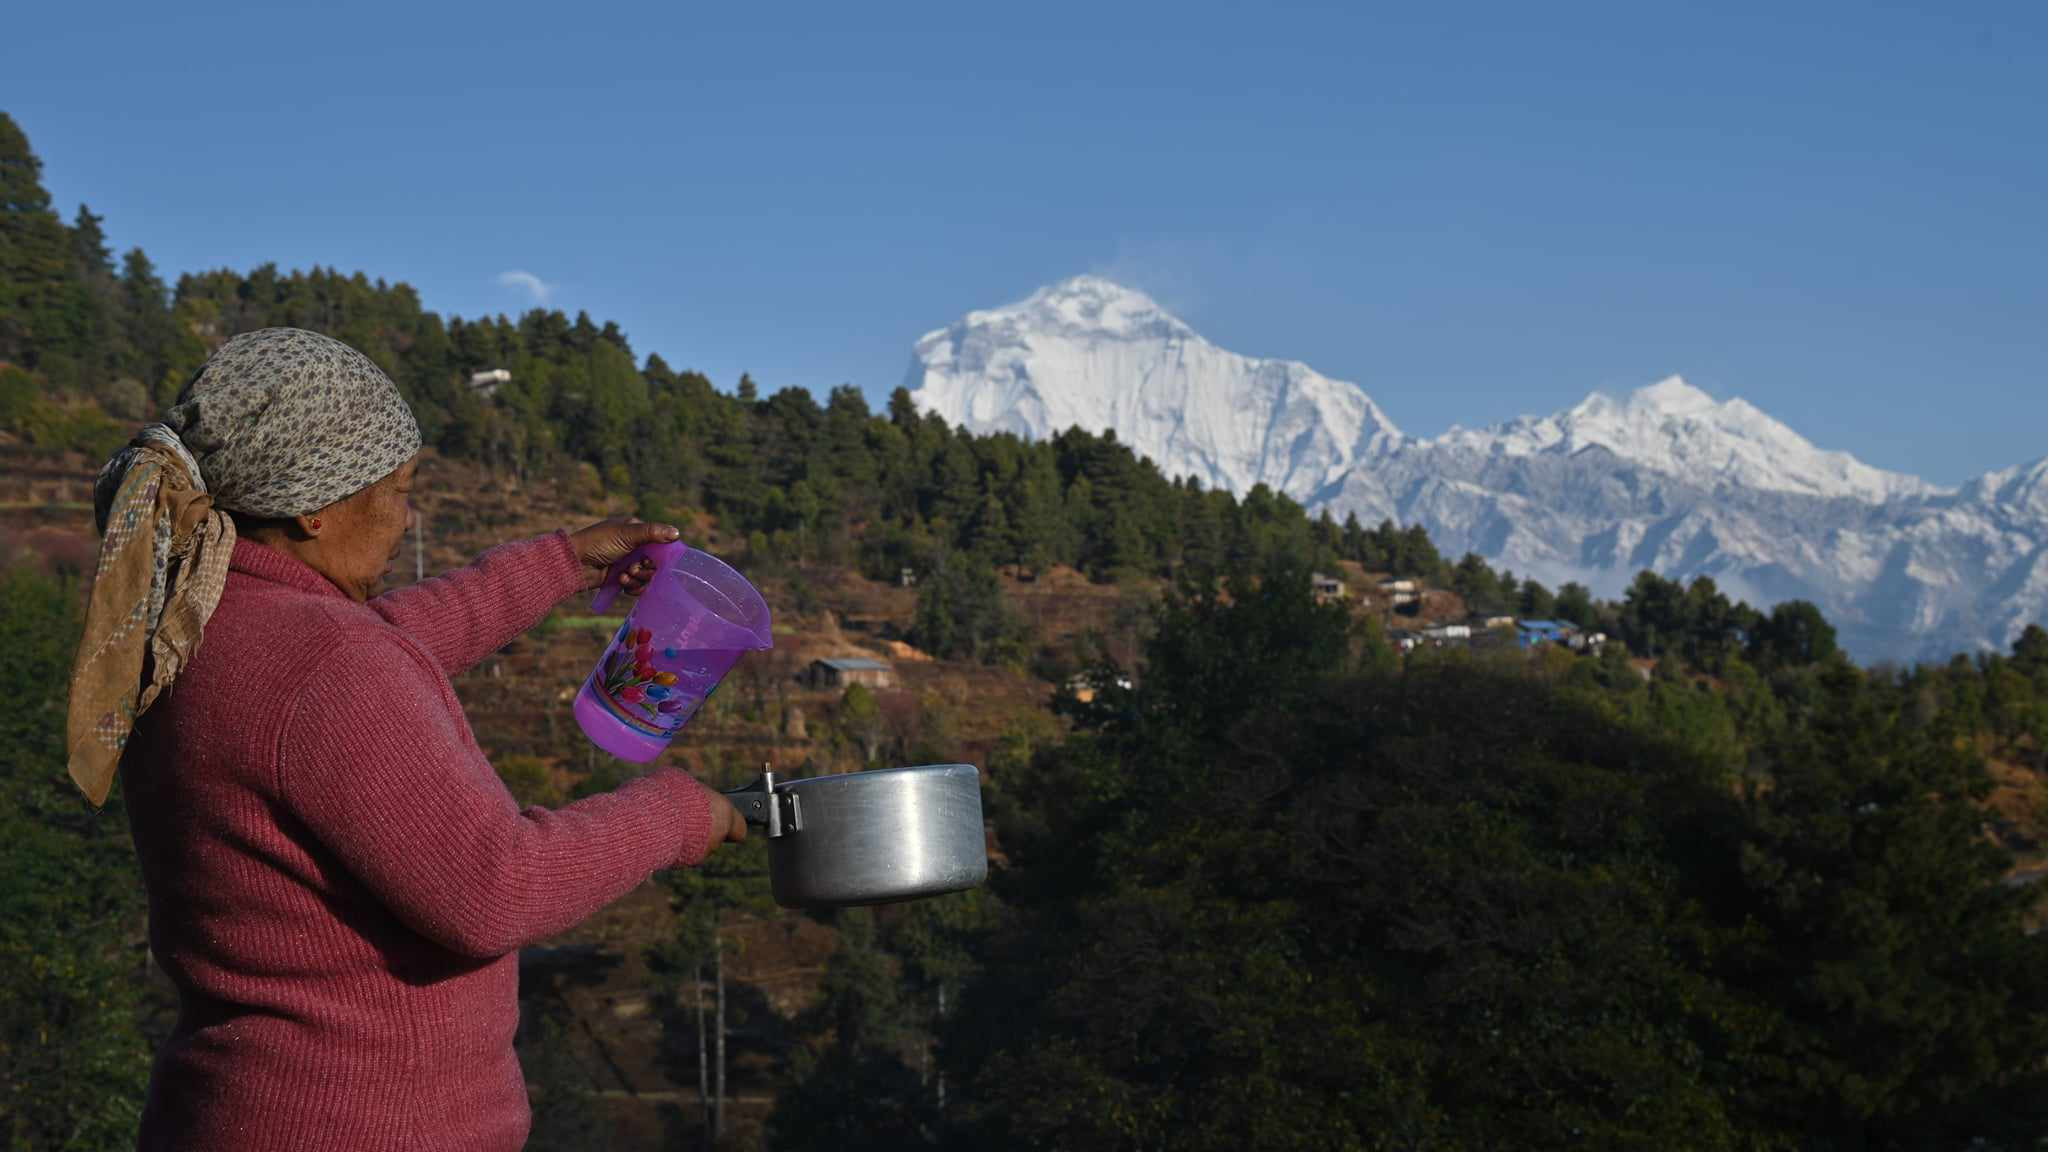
x=296 y=439
x=309 y=445
x=353 y=541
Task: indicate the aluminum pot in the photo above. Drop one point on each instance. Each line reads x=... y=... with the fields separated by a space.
x=869 y=837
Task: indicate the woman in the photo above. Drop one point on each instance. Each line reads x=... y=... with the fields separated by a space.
x=338 y=882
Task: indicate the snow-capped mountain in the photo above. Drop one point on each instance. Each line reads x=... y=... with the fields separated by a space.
x=1919 y=576
x=1667 y=478
x=1093 y=354
x=2024 y=488
x=1681 y=431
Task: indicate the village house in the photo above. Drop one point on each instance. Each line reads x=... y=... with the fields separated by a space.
x=1403 y=639
x=1537 y=632
x=1400 y=592
x=1325 y=588
x=839 y=672
x=1482 y=620
x=486 y=383
x=1442 y=633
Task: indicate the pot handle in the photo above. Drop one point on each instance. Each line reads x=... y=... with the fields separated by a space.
x=781 y=813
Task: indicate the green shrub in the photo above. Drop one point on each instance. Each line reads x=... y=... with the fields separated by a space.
x=18 y=395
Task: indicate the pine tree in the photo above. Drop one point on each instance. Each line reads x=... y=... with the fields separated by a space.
x=1536 y=601
x=1475 y=582
x=2030 y=651
x=148 y=335
x=902 y=409
x=961 y=613
x=1416 y=554
x=1354 y=544
x=89 y=247
x=1034 y=512
x=43 y=314
x=852 y=1085
x=1795 y=635
x=1653 y=616
x=1575 y=604
x=101 y=353
x=1710 y=632
x=1887 y=992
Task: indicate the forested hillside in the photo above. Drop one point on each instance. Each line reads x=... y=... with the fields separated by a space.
x=1271 y=884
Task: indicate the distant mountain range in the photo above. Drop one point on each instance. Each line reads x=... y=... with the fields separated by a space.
x=1667 y=478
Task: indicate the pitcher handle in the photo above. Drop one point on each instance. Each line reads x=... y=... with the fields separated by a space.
x=609 y=590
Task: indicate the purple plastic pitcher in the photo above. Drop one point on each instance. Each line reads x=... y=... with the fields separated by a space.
x=693 y=621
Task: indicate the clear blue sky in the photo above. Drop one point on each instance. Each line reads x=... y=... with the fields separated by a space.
x=1475 y=211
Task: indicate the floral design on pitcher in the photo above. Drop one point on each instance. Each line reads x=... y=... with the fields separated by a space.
x=631 y=681
x=629 y=677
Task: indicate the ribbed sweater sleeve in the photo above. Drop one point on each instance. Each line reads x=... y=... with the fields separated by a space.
x=374 y=760
x=467 y=614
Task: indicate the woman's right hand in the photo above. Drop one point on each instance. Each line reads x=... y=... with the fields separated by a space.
x=727 y=825
x=607 y=542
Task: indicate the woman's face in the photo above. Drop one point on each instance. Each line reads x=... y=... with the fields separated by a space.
x=361 y=534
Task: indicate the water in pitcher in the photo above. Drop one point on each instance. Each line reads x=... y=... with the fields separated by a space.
x=696 y=618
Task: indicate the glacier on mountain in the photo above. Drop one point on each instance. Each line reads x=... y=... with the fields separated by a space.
x=1667 y=478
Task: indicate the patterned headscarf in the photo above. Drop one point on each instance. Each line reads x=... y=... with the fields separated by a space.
x=277 y=423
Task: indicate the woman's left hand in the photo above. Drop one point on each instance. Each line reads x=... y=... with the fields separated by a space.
x=607 y=542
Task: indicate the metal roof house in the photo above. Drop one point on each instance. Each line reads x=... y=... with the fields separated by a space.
x=1534 y=632
x=838 y=672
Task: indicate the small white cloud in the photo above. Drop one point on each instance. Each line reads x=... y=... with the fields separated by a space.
x=1166 y=268
x=527 y=282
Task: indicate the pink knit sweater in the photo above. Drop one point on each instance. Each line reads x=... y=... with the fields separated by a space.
x=338 y=881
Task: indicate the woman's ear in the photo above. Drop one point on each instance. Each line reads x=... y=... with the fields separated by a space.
x=309 y=526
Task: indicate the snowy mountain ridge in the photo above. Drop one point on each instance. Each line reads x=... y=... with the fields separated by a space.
x=1667 y=477
x=1681 y=430
x=1090 y=353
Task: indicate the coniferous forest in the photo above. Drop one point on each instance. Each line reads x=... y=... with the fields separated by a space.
x=1275 y=885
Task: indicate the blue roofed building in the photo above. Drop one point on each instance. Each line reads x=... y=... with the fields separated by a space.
x=1534 y=632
